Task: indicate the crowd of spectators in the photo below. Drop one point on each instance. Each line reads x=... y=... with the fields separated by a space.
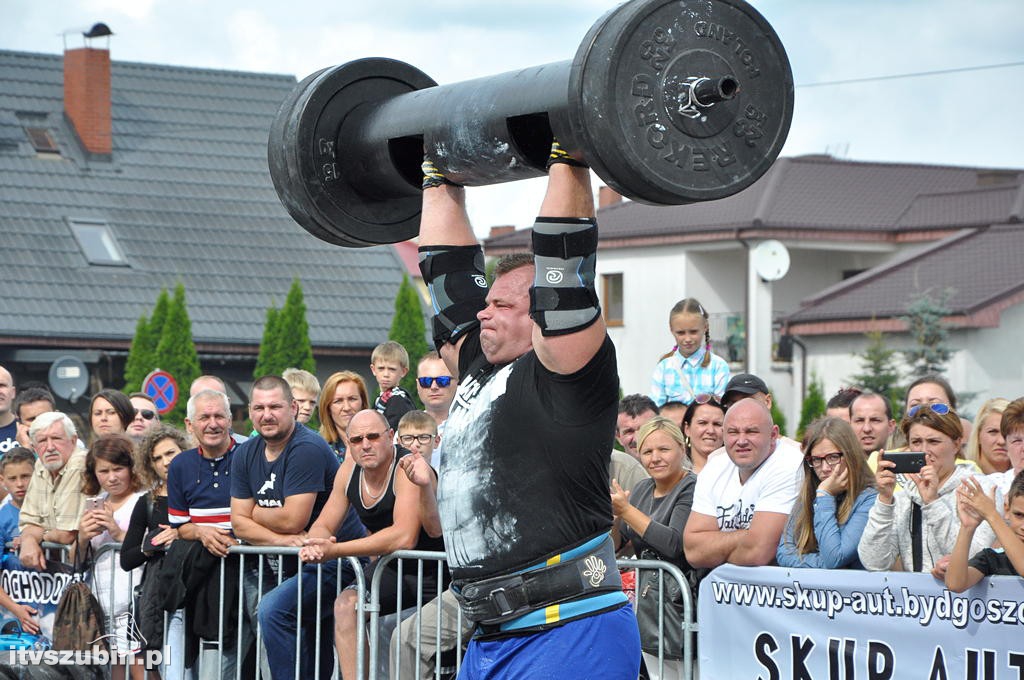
x=703 y=479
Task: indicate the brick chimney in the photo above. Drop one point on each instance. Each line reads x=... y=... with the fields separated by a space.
x=607 y=196
x=501 y=230
x=87 y=97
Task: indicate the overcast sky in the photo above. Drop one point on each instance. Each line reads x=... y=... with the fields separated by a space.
x=969 y=118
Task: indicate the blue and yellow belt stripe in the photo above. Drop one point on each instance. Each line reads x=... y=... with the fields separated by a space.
x=567 y=610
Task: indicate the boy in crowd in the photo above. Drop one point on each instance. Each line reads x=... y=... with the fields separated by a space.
x=389 y=363
x=16 y=471
x=975 y=507
x=305 y=391
x=417 y=431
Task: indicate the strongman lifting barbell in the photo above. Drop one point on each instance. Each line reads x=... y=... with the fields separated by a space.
x=668 y=101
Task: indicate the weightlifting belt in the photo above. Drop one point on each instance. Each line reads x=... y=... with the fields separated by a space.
x=495 y=600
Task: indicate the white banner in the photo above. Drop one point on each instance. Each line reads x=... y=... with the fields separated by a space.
x=772 y=623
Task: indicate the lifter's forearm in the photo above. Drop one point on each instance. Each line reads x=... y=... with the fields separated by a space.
x=444 y=220
x=569 y=193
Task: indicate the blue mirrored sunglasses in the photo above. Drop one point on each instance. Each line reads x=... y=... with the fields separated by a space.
x=941 y=409
x=442 y=381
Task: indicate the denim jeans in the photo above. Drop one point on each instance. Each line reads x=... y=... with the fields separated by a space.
x=278 y=614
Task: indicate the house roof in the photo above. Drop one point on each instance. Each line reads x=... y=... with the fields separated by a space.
x=188 y=197
x=821 y=197
x=978 y=271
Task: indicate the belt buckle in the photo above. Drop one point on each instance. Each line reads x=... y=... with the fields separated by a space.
x=500 y=600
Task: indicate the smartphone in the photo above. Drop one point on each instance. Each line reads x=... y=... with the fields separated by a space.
x=906 y=461
x=94 y=503
x=149 y=546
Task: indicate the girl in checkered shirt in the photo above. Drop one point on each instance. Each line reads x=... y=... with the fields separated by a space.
x=691 y=368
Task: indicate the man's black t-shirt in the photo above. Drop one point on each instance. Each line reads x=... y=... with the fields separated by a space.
x=526 y=454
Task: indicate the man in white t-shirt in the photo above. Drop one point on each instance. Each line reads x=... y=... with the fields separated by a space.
x=743 y=499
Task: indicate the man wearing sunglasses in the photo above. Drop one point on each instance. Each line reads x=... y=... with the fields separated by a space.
x=436 y=387
x=523 y=491
x=388 y=504
x=146 y=416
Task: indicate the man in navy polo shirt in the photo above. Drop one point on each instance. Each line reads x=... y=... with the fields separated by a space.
x=199 y=489
x=281 y=479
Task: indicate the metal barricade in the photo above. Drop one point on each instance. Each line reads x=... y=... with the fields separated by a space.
x=689 y=621
x=431 y=653
x=421 y=599
x=431 y=644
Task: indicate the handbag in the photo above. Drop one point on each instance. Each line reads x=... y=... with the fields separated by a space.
x=647 y=609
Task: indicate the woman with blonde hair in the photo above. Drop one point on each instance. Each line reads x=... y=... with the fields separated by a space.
x=652 y=517
x=832 y=509
x=344 y=395
x=986 y=446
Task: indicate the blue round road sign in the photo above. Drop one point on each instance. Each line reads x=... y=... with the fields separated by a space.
x=162 y=388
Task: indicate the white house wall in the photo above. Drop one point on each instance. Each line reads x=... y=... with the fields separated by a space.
x=988 y=361
x=652 y=280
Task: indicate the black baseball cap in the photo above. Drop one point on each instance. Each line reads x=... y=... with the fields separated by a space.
x=744 y=383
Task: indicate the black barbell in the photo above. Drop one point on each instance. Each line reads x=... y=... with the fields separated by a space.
x=669 y=101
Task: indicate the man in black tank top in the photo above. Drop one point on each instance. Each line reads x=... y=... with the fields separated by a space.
x=389 y=507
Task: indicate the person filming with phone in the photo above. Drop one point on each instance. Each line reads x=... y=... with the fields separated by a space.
x=911 y=529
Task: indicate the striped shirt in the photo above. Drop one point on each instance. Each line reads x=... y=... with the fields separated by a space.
x=199 y=489
x=679 y=378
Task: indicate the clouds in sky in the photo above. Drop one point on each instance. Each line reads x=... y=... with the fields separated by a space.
x=962 y=119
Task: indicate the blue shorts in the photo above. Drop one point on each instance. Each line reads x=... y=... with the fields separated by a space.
x=602 y=646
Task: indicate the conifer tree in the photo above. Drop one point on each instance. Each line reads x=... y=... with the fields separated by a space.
x=880 y=371
x=409 y=329
x=779 y=418
x=293 y=345
x=924 y=317
x=136 y=366
x=142 y=354
x=268 y=362
x=176 y=352
x=813 y=407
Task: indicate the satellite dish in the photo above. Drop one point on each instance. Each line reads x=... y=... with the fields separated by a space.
x=69 y=378
x=771 y=260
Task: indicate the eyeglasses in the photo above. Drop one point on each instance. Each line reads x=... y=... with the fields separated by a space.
x=145 y=413
x=941 y=409
x=442 y=381
x=369 y=436
x=817 y=461
x=407 y=439
x=705 y=398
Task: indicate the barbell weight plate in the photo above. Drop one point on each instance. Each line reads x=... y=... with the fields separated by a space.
x=284 y=172
x=308 y=161
x=629 y=81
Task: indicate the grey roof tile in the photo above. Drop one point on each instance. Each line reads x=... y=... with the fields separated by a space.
x=188 y=197
x=974 y=267
x=820 y=193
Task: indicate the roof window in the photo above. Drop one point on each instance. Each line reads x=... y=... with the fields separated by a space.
x=42 y=140
x=97 y=243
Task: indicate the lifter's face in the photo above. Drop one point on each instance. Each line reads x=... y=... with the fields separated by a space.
x=506 y=329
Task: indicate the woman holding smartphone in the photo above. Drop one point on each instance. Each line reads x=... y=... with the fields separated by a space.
x=913 y=528
x=837 y=494
x=111 y=489
x=149 y=533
